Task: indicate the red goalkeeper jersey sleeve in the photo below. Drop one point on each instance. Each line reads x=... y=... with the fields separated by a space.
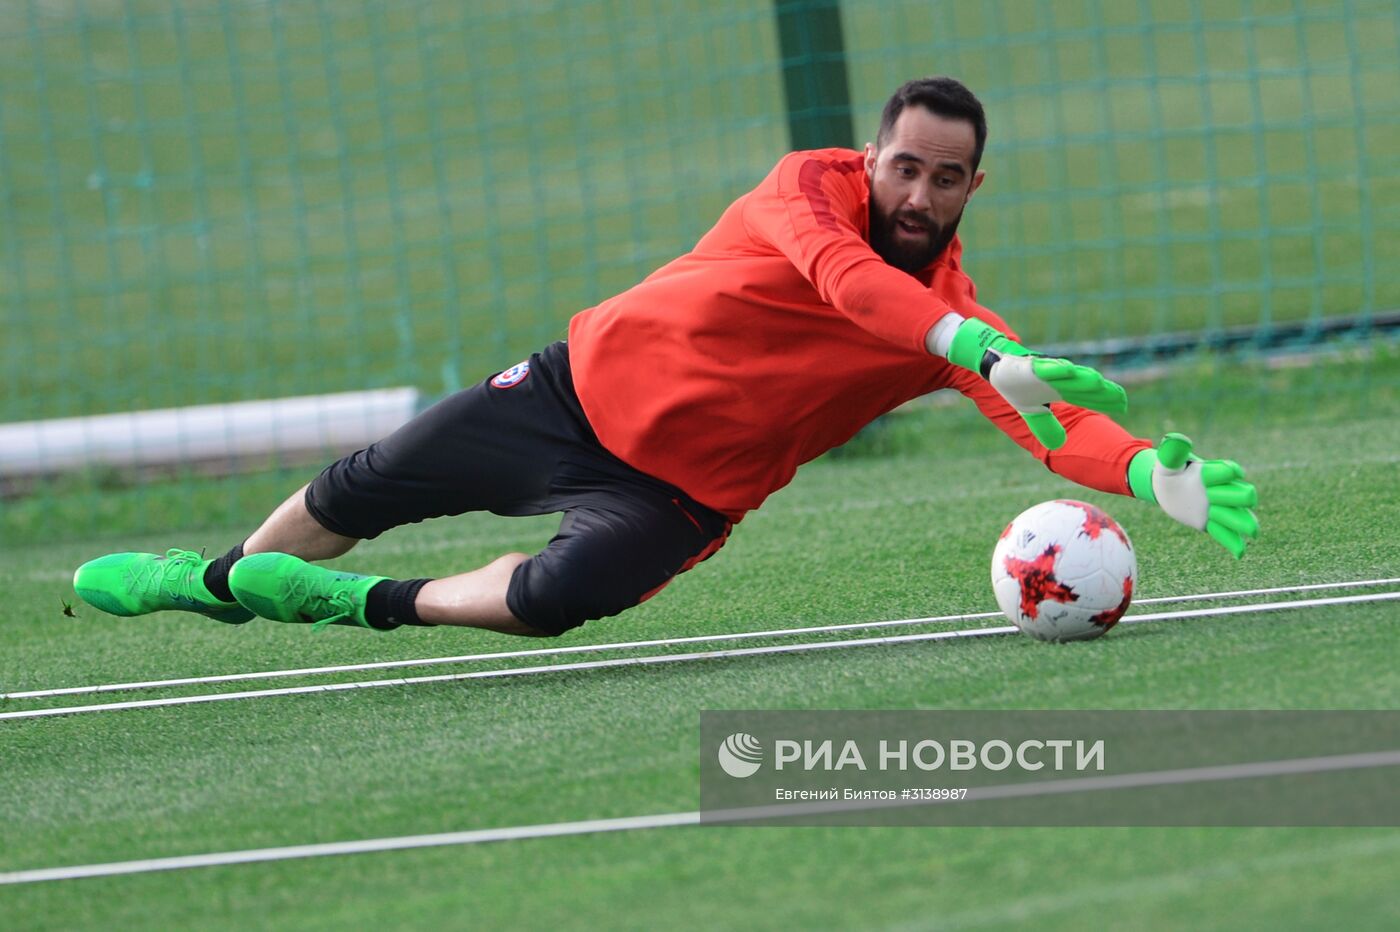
x=779 y=336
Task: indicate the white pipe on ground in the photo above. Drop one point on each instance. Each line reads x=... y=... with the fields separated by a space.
x=345 y=420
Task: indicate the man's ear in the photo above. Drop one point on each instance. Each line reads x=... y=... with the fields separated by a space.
x=977 y=180
x=871 y=153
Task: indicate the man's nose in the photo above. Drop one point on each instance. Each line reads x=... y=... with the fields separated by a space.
x=918 y=200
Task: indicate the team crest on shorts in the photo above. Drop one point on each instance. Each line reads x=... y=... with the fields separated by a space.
x=512 y=376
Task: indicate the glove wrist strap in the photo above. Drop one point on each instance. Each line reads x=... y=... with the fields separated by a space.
x=1140 y=469
x=971 y=343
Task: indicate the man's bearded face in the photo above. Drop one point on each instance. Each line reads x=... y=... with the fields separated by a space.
x=907 y=239
x=921 y=175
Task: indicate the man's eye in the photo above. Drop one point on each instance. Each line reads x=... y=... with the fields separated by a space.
x=904 y=171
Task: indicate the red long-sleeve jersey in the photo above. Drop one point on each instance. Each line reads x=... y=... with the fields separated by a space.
x=779 y=336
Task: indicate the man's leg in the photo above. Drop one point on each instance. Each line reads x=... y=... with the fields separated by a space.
x=292 y=529
x=602 y=561
x=476 y=599
x=429 y=467
x=139 y=583
x=487 y=448
x=289 y=529
x=286 y=588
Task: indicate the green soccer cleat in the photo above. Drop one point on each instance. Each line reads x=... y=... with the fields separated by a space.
x=287 y=588
x=139 y=583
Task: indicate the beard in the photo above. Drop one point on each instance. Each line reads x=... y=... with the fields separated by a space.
x=908 y=257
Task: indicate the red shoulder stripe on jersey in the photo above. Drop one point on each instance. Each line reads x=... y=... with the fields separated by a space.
x=809 y=182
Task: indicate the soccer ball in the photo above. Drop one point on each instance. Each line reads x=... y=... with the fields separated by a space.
x=1064 y=571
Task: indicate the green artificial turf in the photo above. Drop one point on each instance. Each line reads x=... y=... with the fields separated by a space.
x=213 y=201
x=857 y=537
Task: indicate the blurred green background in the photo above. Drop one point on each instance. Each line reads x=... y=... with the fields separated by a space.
x=221 y=200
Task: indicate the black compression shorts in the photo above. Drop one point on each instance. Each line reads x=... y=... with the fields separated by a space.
x=519 y=444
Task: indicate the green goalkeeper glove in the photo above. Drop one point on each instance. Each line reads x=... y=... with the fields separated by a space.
x=1208 y=495
x=1030 y=382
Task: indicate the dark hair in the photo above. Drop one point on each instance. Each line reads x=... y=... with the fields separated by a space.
x=947 y=97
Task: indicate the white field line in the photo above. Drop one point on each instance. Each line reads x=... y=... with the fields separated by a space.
x=676 y=658
x=497 y=655
x=1249 y=770
x=632 y=645
x=1277 y=590
x=729 y=817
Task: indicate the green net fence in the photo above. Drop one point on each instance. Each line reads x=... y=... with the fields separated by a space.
x=1168 y=166
x=214 y=201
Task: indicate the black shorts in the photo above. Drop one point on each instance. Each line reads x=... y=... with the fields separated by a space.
x=519 y=444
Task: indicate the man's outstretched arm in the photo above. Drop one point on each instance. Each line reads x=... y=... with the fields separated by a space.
x=1029 y=382
x=808 y=210
x=1208 y=495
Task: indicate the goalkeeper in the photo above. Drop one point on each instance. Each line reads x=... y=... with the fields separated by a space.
x=830 y=294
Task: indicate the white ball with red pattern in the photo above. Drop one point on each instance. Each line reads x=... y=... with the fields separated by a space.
x=1064 y=571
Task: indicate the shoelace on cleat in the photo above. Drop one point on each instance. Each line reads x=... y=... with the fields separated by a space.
x=175 y=575
x=342 y=601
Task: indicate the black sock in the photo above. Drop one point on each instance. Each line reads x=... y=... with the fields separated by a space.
x=389 y=604
x=216 y=575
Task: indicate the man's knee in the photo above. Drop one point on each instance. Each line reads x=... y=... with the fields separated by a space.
x=605 y=560
x=555 y=593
